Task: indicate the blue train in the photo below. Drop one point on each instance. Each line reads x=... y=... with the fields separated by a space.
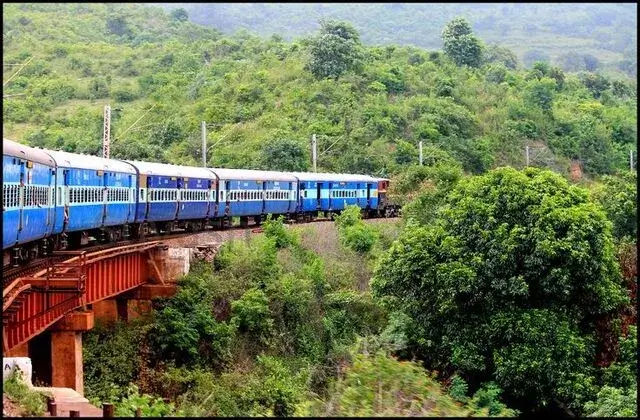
x=54 y=200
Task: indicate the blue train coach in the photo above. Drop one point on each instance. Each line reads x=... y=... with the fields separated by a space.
x=94 y=197
x=173 y=196
x=245 y=192
x=27 y=200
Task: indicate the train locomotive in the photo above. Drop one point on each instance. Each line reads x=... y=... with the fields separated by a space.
x=55 y=200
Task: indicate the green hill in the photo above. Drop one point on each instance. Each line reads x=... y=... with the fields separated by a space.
x=163 y=75
x=559 y=32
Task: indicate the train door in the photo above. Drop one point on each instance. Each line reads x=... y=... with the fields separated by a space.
x=131 y=190
x=65 y=198
x=264 y=197
x=301 y=195
x=147 y=204
x=210 y=196
x=318 y=189
x=105 y=196
x=21 y=194
x=227 y=204
x=180 y=183
x=368 y=195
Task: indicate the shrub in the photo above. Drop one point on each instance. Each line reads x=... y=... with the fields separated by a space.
x=360 y=238
x=31 y=402
x=275 y=229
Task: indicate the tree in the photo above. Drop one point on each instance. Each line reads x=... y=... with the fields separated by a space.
x=511 y=260
x=540 y=93
x=497 y=54
x=618 y=196
x=180 y=15
x=336 y=51
x=284 y=155
x=460 y=44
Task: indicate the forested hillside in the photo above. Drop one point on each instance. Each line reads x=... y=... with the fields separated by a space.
x=502 y=289
x=262 y=100
x=574 y=36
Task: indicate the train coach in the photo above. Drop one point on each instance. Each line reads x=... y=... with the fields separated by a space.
x=170 y=197
x=251 y=193
x=28 y=177
x=94 y=198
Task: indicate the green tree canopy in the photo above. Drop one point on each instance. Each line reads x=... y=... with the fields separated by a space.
x=284 y=155
x=335 y=51
x=460 y=44
x=513 y=259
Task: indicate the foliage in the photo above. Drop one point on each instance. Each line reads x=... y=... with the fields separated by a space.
x=251 y=313
x=614 y=402
x=623 y=373
x=335 y=51
x=512 y=259
x=460 y=44
x=185 y=329
x=380 y=385
x=275 y=228
x=618 y=196
x=30 y=402
x=148 y=405
x=458 y=389
x=112 y=358
x=354 y=233
x=284 y=155
x=261 y=104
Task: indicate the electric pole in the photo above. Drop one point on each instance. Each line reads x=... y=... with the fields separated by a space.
x=106 y=137
x=314 y=153
x=203 y=127
x=420 y=145
x=527 y=154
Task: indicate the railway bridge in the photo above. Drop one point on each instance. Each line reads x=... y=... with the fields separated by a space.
x=44 y=315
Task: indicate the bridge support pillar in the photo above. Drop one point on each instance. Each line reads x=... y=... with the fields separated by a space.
x=111 y=310
x=66 y=350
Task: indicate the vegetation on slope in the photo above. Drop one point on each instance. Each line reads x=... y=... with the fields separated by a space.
x=263 y=99
x=575 y=36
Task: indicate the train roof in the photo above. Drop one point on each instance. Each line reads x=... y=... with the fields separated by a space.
x=253 y=175
x=13 y=148
x=323 y=176
x=153 y=168
x=81 y=161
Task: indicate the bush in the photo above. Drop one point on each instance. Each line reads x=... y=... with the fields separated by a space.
x=124 y=95
x=31 y=402
x=275 y=229
x=112 y=359
x=150 y=406
x=360 y=238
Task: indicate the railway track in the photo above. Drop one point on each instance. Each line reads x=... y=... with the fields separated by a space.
x=11 y=273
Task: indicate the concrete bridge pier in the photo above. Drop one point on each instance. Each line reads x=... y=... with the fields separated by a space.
x=66 y=350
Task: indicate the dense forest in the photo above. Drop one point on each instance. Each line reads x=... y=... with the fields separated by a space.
x=573 y=36
x=507 y=287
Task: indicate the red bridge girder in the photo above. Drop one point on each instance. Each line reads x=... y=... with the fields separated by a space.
x=33 y=304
